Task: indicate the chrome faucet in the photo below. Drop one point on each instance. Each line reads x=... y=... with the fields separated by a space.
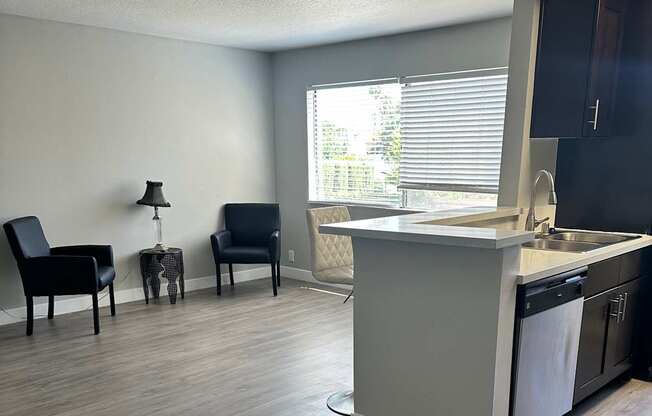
x=532 y=222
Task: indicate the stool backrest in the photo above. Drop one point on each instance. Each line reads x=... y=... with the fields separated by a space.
x=326 y=250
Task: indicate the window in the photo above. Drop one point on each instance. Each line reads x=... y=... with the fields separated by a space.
x=421 y=142
x=354 y=135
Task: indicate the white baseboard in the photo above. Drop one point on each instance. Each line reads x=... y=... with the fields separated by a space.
x=306 y=276
x=297 y=274
x=69 y=304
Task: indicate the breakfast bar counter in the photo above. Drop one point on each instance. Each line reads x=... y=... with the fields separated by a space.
x=433 y=312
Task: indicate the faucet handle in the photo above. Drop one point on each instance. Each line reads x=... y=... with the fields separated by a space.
x=541 y=221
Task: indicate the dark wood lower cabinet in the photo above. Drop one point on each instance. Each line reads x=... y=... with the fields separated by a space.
x=606 y=338
x=590 y=359
x=621 y=329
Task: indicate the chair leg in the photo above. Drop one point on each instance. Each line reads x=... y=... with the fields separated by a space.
x=30 y=315
x=50 y=306
x=274 y=279
x=96 y=314
x=278 y=273
x=219 y=280
x=112 y=299
x=231 y=274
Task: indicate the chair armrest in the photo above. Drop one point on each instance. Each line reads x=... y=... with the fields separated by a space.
x=219 y=241
x=103 y=254
x=275 y=245
x=61 y=274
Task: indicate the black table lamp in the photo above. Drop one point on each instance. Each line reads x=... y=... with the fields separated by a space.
x=154 y=198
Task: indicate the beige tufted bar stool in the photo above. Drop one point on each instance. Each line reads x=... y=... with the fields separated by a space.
x=332 y=262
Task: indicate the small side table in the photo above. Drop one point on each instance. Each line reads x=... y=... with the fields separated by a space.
x=155 y=264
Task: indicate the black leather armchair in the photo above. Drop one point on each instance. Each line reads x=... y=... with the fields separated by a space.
x=252 y=236
x=56 y=271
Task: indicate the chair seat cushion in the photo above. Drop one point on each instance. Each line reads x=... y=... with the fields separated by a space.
x=245 y=254
x=339 y=275
x=105 y=276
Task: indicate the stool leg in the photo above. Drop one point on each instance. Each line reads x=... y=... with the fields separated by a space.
x=348 y=297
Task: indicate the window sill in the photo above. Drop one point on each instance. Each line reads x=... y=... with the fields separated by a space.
x=443 y=207
x=363 y=205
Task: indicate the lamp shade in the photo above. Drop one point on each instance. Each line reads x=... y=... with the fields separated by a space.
x=154 y=195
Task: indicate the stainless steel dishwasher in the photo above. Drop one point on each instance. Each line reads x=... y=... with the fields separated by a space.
x=546 y=342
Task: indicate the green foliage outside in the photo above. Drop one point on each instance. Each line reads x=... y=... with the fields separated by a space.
x=345 y=175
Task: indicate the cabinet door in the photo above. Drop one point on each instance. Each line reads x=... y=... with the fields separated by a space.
x=562 y=67
x=592 y=343
x=604 y=66
x=621 y=329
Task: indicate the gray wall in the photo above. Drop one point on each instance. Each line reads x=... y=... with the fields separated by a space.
x=464 y=47
x=522 y=157
x=87 y=115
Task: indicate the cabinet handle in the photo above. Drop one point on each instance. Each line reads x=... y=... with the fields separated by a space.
x=595 y=107
x=624 y=307
x=616 y=315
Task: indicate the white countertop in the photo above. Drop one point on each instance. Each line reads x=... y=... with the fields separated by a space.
x=438 y=227
x=444 y=228
x=539 y=264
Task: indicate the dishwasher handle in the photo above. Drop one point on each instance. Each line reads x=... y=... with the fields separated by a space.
x=550 y=293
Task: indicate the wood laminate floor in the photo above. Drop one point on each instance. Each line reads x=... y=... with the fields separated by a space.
x=623 y=398
x=245 y=354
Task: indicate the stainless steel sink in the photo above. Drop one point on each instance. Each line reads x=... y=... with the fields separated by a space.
x=588 y=237
x=561 y=245
x=576 y=241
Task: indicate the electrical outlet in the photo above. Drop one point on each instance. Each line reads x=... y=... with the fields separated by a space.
x=291 y=256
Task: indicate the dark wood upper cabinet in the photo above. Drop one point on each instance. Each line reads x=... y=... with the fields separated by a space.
x=604 y=69
x=577 y=67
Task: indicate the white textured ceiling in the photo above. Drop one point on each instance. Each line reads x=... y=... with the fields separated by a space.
x=267 y=25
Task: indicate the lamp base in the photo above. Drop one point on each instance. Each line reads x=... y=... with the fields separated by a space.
x=160 y=247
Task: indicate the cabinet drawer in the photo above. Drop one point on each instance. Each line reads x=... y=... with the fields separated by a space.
x=630 y=266
x=602 y=276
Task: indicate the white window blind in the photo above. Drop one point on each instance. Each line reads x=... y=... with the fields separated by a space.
x=354 y=141
x=452 y=131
